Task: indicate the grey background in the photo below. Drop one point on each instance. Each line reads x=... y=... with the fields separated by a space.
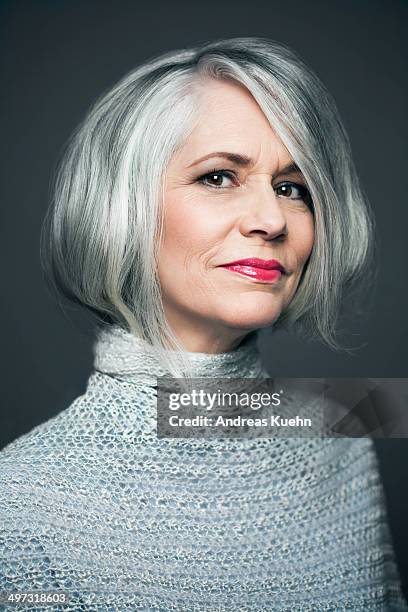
x=57 y=57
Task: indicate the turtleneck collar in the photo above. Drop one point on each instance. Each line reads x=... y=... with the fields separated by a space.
x=122 y=355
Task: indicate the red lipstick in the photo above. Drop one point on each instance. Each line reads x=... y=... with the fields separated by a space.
x=268 y=270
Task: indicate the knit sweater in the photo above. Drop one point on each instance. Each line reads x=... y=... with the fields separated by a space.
x=94 y=504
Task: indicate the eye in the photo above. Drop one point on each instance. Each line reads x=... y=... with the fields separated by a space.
x=293 y=191
x=216 y=178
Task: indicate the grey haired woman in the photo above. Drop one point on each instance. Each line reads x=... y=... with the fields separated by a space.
x=210 y=194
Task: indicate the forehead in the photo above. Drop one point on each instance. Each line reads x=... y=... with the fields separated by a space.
x=229 y=119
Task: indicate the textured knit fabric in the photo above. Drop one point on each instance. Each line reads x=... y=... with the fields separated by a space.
x=94 y=504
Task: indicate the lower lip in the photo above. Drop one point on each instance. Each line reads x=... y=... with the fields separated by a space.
x=261 y=274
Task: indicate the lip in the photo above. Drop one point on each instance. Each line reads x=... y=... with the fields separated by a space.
x=266 y=270
x=255 y=262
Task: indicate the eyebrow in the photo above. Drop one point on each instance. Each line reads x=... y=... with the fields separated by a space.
x=244 y=161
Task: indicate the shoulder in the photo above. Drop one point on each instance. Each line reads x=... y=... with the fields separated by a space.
x=78 y=424
x=43 y=478
x=45 y=468
x=37 y=467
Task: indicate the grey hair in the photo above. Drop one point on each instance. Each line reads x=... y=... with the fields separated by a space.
x=102 y=232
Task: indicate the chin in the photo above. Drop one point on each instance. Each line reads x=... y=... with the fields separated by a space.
x=251 y=317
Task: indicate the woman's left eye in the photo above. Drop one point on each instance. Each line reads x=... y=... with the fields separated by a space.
x=218 y=177
x=293 y=191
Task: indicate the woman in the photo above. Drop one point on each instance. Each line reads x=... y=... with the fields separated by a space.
x=209 y=194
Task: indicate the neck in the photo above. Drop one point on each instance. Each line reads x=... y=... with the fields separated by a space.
x=122 y=355
x=197 y=343
x=211 y=339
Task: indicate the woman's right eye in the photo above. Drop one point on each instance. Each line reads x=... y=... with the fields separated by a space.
x=216 y=178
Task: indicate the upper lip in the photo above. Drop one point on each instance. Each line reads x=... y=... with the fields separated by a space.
x=255 y=262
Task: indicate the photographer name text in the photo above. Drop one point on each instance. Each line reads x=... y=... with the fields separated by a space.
x=238 y=421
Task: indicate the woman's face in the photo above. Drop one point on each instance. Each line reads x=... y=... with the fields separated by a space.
x=231 y=194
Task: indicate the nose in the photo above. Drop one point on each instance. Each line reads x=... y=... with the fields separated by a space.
x=264 y=216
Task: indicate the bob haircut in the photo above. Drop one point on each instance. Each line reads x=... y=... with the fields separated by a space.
x=102 y=232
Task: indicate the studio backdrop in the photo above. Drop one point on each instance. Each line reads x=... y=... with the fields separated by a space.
x=58 y=57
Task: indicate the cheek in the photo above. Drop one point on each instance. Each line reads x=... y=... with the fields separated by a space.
x=190 y=237
x=303 y=233
x=190 y=230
